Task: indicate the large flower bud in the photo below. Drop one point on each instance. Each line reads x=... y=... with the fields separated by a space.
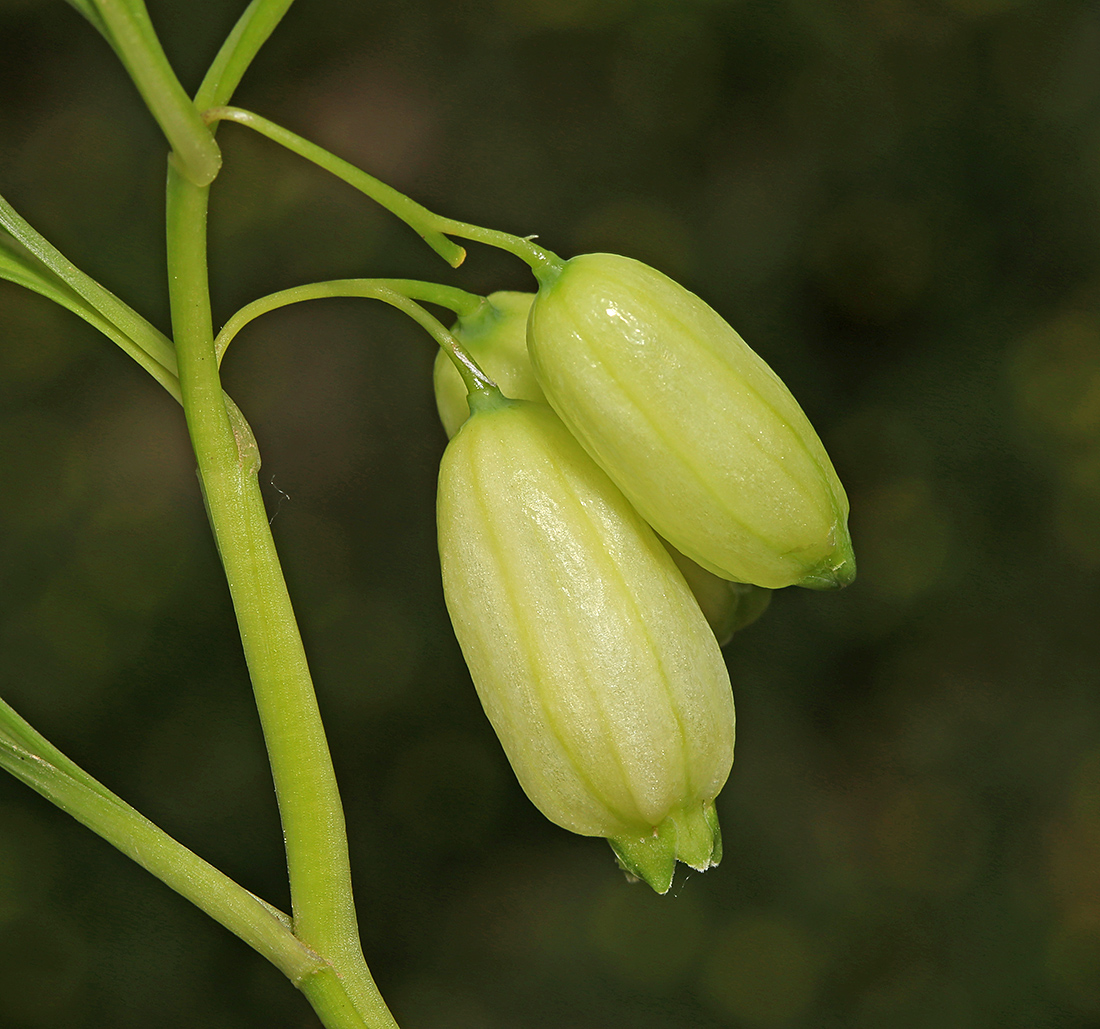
x=589 y=653
x=698 y=432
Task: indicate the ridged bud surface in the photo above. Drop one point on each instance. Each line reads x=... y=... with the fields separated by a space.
x=699 y=433
x=590 y=655
x=496 y=337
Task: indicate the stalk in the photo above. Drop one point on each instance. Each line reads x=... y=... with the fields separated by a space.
x=305 y=782
x=433 y=228
x=35 y=761
x=241 y=45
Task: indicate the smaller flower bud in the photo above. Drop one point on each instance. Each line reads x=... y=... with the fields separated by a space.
x=495 y=336
x=698 y=432
x=591 y=657
x=728 y=606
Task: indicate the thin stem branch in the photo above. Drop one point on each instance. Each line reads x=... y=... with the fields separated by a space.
x=399 y=293
x=36 y=762
x=432 y=227
x=41 y=281
x=87 y=8
x=462 y=303
x=115 y=311
x=236 y=53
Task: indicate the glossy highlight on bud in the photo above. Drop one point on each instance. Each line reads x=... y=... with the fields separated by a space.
x=590 y=655
x=699 y=433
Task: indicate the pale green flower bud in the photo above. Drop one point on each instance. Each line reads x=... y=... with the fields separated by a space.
x=590 y=655
x=698 y=432
x=495 y=336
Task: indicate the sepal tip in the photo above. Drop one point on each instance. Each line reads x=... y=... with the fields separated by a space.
x=691 y=835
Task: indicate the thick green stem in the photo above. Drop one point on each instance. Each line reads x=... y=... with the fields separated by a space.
x=305 y=783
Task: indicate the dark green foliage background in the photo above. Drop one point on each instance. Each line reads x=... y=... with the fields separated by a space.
x=897 y=202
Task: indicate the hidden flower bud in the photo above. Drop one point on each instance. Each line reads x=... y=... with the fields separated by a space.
x=727 y=606
x=495 y=336
x=590 y=655
x=698 y=432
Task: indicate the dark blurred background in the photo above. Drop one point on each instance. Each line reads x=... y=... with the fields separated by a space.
x=897 y=202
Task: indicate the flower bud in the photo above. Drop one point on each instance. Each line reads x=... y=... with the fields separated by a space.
x=697 y=431
x=495 y=336
x=590 y=655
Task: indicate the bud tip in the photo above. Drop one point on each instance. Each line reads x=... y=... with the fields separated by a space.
x=835 y=572
x=690 y=835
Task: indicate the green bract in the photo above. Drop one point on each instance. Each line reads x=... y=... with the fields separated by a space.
x=495 y=336
x=697 y=431
x=591 y=657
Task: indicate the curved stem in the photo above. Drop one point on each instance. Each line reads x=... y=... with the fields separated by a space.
x=432 y=227
x=37 y=763
x=462 y=303
x=305 y=783
x=399 y=293
x=48 y=286
x=118 y=313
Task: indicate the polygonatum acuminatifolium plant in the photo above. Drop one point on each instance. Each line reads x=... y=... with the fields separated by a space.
x=625 y=484
x=612 y=722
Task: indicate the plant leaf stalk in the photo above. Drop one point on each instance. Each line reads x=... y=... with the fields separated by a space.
x=36 y=762
x=433 y=228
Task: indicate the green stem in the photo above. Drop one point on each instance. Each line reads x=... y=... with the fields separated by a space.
x=236 y=53
x=399 y=293
x=305 y=783
x=432 y=227
x=87 y=8
x=24 y=273
x=36 y=762
x=136 y=43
